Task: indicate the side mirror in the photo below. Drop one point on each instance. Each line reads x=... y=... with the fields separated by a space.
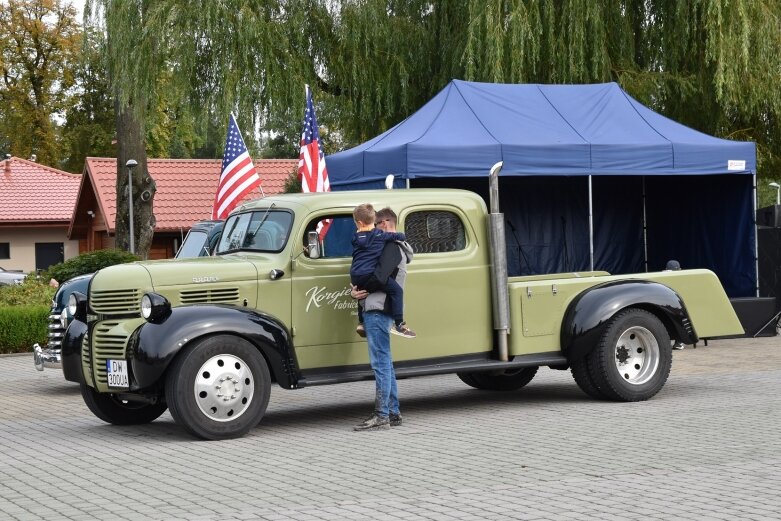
x=313 y=244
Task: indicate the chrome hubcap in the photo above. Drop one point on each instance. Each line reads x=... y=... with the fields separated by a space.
x=637 y=355
x=224 y=388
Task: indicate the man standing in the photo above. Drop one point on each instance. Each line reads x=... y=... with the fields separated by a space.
x=377 y=322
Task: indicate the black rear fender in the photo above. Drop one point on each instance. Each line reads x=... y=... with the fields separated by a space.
x=154 y=346
x=590 y=311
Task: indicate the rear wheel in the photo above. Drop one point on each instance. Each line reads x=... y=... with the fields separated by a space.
x=111 y=409
x=509 y=380
x=633 y=358
x=580 y=373
x=218 y=388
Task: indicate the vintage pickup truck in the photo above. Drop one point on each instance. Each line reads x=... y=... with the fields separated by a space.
x=206 y=337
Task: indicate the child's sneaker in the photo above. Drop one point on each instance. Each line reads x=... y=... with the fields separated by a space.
x=402 y=330
x=361 y=331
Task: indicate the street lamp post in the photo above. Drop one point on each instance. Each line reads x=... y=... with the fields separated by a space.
x=778 y=192
x=131 y=164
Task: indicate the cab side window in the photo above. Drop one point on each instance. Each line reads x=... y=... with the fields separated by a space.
x=338 y=238
x=435 y=231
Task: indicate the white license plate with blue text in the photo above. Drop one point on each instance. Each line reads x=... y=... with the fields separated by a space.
x=116 y=371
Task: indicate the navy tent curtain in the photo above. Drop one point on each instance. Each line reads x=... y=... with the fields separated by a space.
x=693 y=192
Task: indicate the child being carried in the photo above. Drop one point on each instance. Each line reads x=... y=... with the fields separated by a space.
x=368 y=243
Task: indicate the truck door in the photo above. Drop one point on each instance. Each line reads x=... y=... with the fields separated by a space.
x=324 y=316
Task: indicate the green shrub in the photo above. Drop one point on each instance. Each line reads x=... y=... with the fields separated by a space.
x=21 y=327
x=32 y=292
x=87 y=263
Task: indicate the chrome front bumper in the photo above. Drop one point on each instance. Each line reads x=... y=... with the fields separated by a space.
x=51 y=358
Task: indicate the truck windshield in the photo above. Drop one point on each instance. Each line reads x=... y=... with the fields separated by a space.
x=193 y=245
x=260 y=230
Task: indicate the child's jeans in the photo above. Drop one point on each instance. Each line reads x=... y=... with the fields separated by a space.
x=391 y=288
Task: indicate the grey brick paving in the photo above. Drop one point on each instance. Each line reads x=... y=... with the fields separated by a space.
x=707 y=447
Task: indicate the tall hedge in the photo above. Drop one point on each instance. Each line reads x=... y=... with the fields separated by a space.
x=88 y=263
x=22 y=326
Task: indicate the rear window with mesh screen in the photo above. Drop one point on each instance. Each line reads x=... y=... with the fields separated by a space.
x=434 y=232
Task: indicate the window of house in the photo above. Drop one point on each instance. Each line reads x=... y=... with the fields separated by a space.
x=435 y=231
x=5 y=250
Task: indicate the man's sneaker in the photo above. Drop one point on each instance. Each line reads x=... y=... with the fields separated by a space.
x=361 y=331
x=375 y=422
x=395 y=420
x=402 y=330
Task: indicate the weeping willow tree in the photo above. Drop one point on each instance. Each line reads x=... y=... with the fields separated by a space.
x=711 y=64
x=213 y=57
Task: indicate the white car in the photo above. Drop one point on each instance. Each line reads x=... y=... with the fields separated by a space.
x=8 y=278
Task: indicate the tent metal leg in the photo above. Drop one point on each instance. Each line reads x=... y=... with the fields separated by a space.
x=645 y=231
x=590 y=225
x=756 y=240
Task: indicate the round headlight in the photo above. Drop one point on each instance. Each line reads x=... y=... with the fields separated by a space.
x=146 y=307
x=72 y=304
x=155 y=308
x=64 y=319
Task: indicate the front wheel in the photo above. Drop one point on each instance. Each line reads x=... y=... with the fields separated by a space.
x=112 y=410
x=633 y=358
x=218 y=388
x=509 y=380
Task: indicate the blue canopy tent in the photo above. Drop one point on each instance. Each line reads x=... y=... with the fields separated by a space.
x=591 y=177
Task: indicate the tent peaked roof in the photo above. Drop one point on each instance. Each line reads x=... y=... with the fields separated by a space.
x=538 y=130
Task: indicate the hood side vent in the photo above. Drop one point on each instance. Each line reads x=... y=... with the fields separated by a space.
x=206 y=296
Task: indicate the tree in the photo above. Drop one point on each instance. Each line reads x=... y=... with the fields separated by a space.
x=710 y=64
x=39 y=41
x=123 y=22
x=90 y=125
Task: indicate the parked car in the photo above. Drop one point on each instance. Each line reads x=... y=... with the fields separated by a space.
x=199 y=242
x=8 y=278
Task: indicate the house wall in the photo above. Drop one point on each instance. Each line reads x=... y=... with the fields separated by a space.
x=22 y=240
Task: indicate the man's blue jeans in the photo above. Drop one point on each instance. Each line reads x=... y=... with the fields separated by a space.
x=377 y=325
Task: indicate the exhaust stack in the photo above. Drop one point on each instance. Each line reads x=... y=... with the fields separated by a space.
x=501 y=298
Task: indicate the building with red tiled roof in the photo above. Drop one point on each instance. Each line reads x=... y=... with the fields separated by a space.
x=185 y=194
x=36 y=204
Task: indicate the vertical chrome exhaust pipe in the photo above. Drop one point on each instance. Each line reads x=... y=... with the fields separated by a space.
x=501 y=298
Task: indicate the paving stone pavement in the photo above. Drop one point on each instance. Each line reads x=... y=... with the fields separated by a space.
x=706 y=448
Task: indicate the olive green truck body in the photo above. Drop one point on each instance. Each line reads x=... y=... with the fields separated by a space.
x=276 y=311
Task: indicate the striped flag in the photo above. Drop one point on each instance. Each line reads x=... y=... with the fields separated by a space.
x=238 y=177
x=311 y=162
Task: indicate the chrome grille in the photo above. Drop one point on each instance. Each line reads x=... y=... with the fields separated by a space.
x=56 y=332
x=106 y=346
x=203 y=296
x=115 y=301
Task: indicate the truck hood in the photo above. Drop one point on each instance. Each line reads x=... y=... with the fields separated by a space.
x=203 y=270
x=229 y=279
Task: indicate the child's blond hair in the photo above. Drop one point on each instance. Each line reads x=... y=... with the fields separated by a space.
x=364 y=214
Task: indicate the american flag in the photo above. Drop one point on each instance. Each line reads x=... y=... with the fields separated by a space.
x=238 y=177
x=311 y=162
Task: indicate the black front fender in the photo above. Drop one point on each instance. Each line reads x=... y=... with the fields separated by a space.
x=71 y=350
x=154 y=346
x=590 y=311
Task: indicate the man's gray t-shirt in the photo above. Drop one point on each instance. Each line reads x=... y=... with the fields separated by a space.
x=376 y=301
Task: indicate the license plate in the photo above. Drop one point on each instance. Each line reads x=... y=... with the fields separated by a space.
x=116 y=371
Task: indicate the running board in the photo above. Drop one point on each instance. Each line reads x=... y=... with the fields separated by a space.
x=402 y=371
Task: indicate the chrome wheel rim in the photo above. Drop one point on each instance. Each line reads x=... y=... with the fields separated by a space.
x=637 y=355
x=224 y=388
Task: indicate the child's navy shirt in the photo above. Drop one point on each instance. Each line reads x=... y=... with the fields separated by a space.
x=367 y=248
